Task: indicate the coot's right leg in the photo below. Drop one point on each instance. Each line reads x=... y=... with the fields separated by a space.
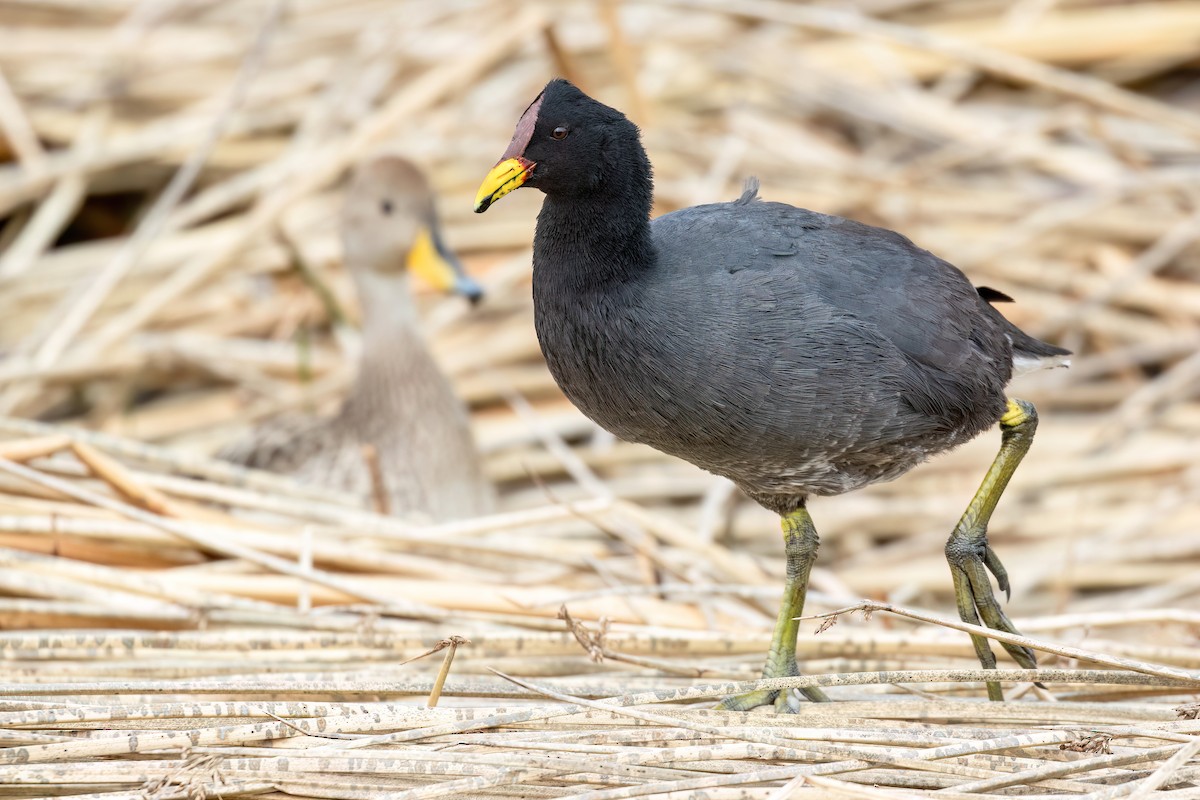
x=970 y=556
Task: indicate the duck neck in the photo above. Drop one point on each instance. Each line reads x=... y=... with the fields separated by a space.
x=599 y=240
x=391 y=345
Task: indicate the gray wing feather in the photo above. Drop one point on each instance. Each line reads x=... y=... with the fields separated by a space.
x=912 y=302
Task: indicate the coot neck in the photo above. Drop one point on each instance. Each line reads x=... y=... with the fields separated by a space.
x=601 y=239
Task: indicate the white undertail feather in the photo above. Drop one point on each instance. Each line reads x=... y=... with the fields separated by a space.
x=1023 y=364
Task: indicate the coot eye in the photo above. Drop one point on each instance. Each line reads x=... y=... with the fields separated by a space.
x=559 y=133
x=386 y=207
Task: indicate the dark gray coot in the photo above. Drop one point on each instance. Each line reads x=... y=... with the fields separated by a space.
x=795 y=353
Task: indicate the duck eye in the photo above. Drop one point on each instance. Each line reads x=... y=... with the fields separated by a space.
x=559 y=133
x=386 y=207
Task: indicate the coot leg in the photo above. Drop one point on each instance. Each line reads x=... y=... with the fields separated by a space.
x=970 y=556
x=800 y=541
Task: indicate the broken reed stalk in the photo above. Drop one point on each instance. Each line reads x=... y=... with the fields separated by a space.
x=451 y=647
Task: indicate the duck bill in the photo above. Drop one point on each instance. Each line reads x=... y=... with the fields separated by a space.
x=437 y=266
x=509 y=174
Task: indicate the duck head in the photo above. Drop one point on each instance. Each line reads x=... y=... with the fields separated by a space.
x=390 y=227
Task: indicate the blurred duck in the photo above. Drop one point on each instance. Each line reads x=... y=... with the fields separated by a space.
x=401 y=405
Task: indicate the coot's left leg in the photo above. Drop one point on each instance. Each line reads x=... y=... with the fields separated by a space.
x=970 y=556
x=800 y=541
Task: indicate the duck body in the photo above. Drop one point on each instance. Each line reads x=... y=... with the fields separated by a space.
x=400 y=405
x=793 y=352
x=403 y=407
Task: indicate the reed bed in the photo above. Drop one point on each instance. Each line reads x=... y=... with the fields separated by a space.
x=172 y=626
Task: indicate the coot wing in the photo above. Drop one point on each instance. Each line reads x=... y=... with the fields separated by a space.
x=958 y=355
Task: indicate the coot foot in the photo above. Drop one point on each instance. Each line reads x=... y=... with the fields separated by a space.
x=785 y=701
x=800 y=541
x=970 y=556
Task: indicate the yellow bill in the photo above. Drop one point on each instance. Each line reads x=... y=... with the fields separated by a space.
x=509 y=174
x=437 y=266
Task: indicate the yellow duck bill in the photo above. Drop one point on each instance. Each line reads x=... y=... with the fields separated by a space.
x=509 y=174
x=430 y=259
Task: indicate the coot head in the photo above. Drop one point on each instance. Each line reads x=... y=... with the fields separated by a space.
x=568 y=145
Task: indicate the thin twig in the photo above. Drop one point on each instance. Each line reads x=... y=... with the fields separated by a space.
x=871 y=606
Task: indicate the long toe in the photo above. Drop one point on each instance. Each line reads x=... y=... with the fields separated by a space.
x=997 y=620
x=993 y=616
x=749 y=700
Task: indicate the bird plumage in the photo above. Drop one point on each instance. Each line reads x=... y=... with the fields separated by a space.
x=699 y=350
x=795 y=353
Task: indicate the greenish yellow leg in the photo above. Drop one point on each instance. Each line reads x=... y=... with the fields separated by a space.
x=970 y=556
x=800 y=541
